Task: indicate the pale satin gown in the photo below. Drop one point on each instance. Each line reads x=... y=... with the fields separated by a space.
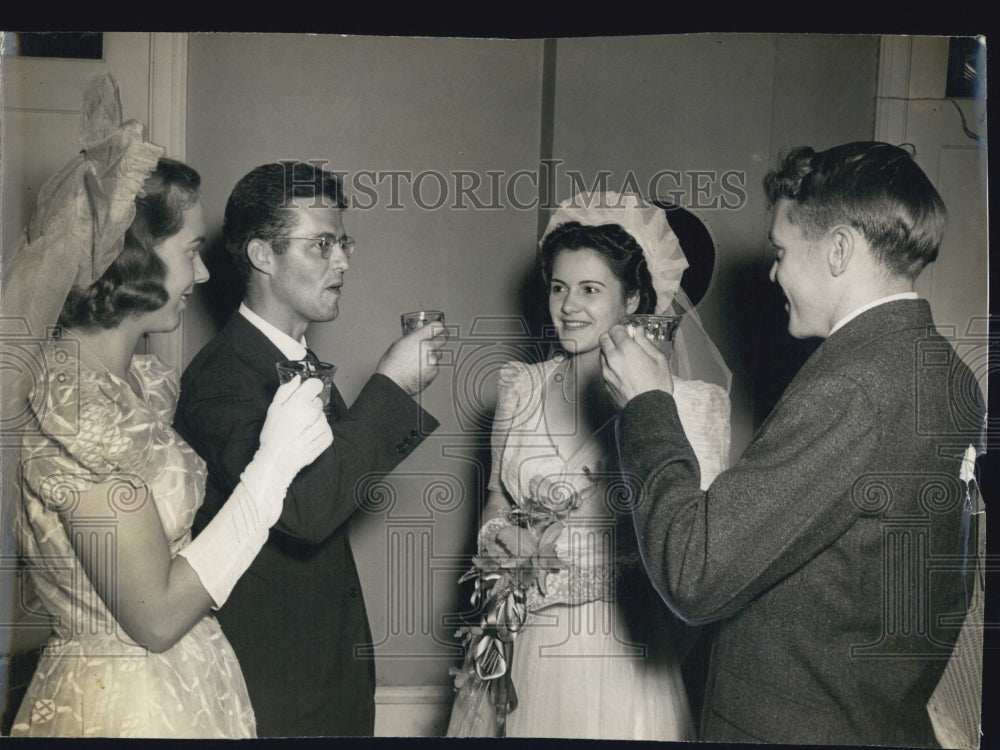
x=596 y=658
x=93 y=679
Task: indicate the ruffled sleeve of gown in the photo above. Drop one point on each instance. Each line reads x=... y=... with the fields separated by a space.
x=704 y=411
x=102 y=434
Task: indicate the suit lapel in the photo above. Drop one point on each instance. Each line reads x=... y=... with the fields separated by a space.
x=253 y=347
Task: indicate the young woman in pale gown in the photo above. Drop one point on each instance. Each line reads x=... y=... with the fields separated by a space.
x=109 y=490
x=597 y=656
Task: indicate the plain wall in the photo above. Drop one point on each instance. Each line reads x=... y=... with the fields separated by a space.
x=693 y=103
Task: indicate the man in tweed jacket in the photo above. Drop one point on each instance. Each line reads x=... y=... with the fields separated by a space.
x=834 y=553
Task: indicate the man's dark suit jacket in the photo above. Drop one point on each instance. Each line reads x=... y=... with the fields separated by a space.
x=829 y=552
x=296 y=615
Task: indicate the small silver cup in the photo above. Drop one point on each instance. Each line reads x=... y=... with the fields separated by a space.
x=411 y=321
x=288 y=369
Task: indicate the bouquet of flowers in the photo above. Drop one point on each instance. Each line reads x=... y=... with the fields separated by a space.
x=517 y=551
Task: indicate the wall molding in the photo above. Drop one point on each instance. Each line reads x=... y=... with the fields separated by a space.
x=893 y=87
x=167 y=123
x=412 y=710
x=910 y=69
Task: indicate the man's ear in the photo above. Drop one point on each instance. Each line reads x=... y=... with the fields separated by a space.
x=259 y=254
x=843 y=243
x=632 y=303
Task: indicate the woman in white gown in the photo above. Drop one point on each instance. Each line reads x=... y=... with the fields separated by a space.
x=597 y=655
x=108 y=489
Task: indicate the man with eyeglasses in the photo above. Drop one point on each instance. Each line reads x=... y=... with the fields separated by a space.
x=295 y=618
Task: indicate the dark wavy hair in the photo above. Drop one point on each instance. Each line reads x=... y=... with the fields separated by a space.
x=874 y=187
x=616 y=246
x=133 y=283
x=260 y=205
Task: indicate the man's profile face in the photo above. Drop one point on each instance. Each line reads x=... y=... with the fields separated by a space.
x=305 y=283
x=799 y=269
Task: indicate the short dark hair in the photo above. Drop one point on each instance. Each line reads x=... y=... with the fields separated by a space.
x=133 y=283
x=874 y=187
x=615 y=245
x=260 y=205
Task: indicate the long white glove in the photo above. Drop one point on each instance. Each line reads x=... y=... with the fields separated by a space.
x=295 y=432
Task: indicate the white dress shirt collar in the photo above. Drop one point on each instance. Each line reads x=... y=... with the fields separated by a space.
x=864 y=308
x=291 y=348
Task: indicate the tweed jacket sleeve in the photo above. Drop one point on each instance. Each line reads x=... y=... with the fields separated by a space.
x=710 y=552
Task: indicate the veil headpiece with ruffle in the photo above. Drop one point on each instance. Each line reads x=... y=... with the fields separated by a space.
x=697 y=356
x=78 y=227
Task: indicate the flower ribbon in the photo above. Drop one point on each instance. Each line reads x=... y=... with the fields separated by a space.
x=517 y=553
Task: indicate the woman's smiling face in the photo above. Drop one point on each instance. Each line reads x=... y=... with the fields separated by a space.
x=585 y=299
x=181 y=254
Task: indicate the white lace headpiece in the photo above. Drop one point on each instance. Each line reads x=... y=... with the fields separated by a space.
x=645 y=222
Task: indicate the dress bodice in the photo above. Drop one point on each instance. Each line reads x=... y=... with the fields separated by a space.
x=92 y=428
x=523 y=442
x=92 y=679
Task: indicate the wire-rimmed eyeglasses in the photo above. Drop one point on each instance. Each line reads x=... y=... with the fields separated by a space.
x=327 y=242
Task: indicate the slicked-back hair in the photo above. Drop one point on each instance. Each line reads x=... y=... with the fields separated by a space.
x=260 y=205
x=617 y=247
x=133 y=283
x=874 y=187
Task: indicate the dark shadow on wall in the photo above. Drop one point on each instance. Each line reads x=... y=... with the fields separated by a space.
x=698 y=246
x=532 y=302
x=224 y=290
x=761 y=352
x=764 y=349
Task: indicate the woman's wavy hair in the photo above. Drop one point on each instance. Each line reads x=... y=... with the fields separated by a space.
x=616 y=246
x=133 y=283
